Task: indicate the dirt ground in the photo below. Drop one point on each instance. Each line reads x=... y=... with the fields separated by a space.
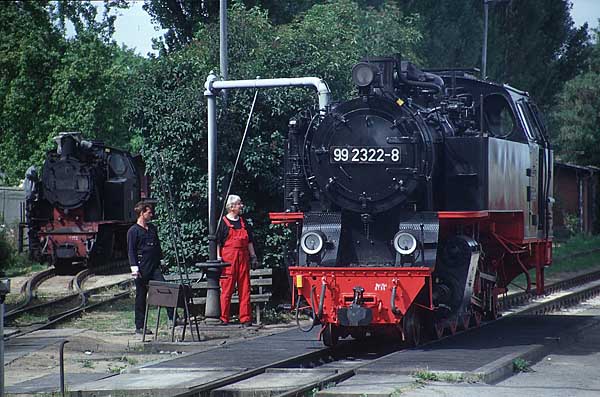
x=103 y=341
x=112 y=352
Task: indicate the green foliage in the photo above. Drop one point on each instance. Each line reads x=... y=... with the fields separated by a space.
x=577 y=117
x=426 y=376
x=517 y=29
x=184 y=18
x=170 y=113
x=50 y=84
x=521 y=365
x=29 y=52
x=6 y=251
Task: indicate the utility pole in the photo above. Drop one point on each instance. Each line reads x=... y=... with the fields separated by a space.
x=223 y=43
x=486 y=5
x=485 y=37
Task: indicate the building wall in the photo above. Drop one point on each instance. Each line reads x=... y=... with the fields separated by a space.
x=11 y=201
x=575 y=192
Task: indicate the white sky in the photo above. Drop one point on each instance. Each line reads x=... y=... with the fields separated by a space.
x=134 y=27
x=586 y=11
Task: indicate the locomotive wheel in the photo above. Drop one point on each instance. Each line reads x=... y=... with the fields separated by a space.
x=466 y=321
x=329 y=335
x=453 y=325
x=439 y=329
x=477 y=318
x=411 y=328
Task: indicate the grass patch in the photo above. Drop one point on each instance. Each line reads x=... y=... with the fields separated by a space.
x=576 y=244
x=521 y=365
x=568 y=256
x=276 y=316
x=21 y=266
x=426 y=376
x=118 y=316
x=88 y=364
x=116 y=369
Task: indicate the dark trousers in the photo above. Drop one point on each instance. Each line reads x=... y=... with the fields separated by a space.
x=141 y=291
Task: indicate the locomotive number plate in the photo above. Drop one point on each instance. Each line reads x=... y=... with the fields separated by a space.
x=364 y=155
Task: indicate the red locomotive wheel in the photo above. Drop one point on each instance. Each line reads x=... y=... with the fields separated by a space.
x=477 y=318
x=453 y=326
x=466 y=321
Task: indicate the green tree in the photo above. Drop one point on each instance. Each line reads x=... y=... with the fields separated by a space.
x=170 y=115
x=50 y=84
x=30 y=51
x=577 y=115
x=532 y=45
x=536 y=47
x=93 y=88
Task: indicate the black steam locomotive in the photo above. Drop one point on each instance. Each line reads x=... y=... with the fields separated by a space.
x=419 y=200
x=79 y=210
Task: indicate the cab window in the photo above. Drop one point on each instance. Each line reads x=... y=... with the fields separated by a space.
x=533 y=130
x=498 y=116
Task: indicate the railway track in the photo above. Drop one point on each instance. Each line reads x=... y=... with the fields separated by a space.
x=68 y=305
x=345 y=360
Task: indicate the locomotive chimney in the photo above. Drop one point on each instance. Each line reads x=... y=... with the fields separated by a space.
x=67 y=143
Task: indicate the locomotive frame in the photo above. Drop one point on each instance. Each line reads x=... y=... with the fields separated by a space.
x=429 y=242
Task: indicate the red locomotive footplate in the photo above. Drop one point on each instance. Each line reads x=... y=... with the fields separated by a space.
x=285 y=217
x=388 y=292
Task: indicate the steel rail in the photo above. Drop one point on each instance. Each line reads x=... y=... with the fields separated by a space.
x=509 y=301
x=228 y=380
x=572 y=298
x=75 y=283
x=29 y=286
x=538 y=308
x=52 y=320
x=83 y=295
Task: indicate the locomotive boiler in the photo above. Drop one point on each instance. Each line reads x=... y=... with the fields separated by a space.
x=80 y=208
x=417 y=202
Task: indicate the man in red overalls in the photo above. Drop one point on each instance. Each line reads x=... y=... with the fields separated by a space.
x=235 y=246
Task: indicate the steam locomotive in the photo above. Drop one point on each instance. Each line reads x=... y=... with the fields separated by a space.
x=417 y=202
x=79 y=210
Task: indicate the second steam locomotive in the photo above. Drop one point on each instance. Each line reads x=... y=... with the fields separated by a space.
x=418 y=201
x=79 y=209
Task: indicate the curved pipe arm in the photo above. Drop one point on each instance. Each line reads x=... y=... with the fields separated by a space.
x=213 y=85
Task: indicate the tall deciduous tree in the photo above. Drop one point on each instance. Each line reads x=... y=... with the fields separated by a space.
x=49 y=83
x=171 y=114
x=532 y=45
x=577 y=115
x=30 y=51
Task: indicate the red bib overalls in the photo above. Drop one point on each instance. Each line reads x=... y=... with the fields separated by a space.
x=235 y=252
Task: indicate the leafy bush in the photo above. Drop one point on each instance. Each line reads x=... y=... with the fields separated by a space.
x=169 y=116
x=6 y=250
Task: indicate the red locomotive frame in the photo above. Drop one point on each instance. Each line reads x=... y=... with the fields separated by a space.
x=393 y=292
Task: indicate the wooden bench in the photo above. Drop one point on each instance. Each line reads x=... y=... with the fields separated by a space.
x=261 y=281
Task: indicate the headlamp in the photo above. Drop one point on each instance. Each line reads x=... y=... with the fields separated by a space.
x=405 y=243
